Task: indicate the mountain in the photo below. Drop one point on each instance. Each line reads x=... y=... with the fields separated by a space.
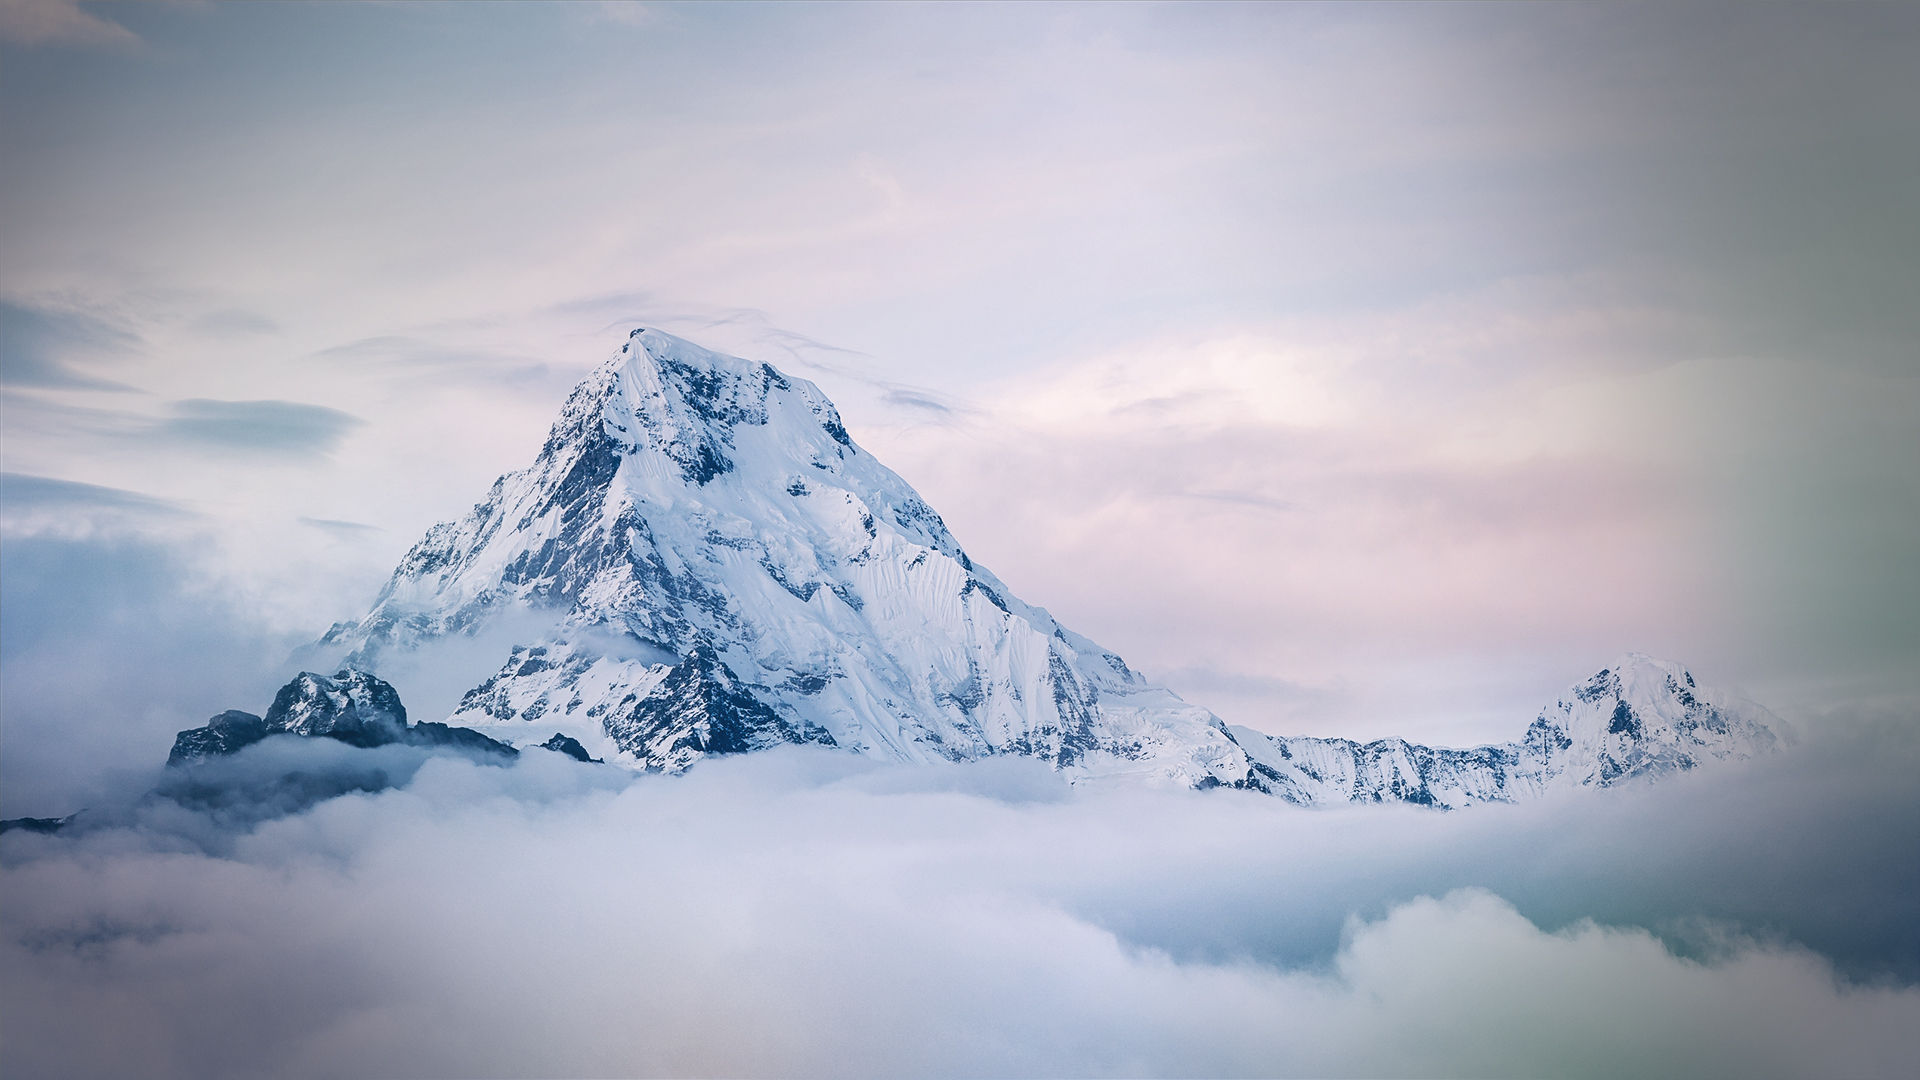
x=1637 y=718
x=353 y=707
x=702 y=561
x=714 y=566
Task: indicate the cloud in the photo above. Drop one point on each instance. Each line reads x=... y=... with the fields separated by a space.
x=613 y=305
x=744 y=326
x=1243 y=498
x=37 y=346
x=118 y=628
x=810 y=913
x=235 y=322
x=42 y=506
x=23 y=492
x=921 y=400
x=272 y=432
x=60 y=22
x=284 y=428
x=341 y=528
x=423 y=358
x=1209 y=679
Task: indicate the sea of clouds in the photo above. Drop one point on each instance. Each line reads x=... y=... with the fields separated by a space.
x=807 y=912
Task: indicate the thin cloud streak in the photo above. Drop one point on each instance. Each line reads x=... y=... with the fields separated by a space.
x=38 y=346
x=270 y=427
x=45 y=23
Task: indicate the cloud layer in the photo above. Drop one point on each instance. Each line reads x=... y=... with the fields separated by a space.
x=807 y=913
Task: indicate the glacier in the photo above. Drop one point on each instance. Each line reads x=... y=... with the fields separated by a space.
x=701 y=560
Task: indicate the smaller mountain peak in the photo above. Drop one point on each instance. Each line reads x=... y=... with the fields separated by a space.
x=352 y=706
x=1640 y=675
x=570 y=746
x=226 y=733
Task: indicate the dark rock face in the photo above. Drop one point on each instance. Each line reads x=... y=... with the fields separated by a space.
x=430 y=733
x=570 y=746
x=353 y=707
x=42 y=825
x=224 y=734
x=699 y=708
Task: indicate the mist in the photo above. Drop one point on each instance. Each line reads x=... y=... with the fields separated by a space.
x=806 y=912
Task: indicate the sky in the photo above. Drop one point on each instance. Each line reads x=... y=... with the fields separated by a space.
x=1354 y=370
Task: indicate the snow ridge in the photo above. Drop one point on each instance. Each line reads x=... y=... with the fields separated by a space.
x=1638 y=718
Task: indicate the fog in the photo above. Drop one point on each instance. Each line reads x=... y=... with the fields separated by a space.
x=810 y=912
x=310 y=909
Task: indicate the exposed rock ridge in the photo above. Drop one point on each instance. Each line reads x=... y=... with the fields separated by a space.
x=353 y=707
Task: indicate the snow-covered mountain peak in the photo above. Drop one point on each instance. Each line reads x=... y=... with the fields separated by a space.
x=1638 y=675
x=664 y=395
x=1638 y=718
x=761 y=579
x=1644 y=715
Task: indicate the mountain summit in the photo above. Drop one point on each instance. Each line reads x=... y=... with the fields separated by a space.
x=720 y=568
x=701 y=560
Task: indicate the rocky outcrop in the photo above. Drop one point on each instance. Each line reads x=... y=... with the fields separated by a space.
x=352 y=706
x=226 y=733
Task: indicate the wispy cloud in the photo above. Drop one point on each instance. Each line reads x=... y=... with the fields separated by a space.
x=1245 y=498
x=415 y=357
x=45 y=509
x=235 y=322
x=38 y=347
x=61 y=22
x=272 y=427
x=341 y=528
x=19 y=491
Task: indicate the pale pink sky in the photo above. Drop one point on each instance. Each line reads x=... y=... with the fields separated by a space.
x=1369 y=370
